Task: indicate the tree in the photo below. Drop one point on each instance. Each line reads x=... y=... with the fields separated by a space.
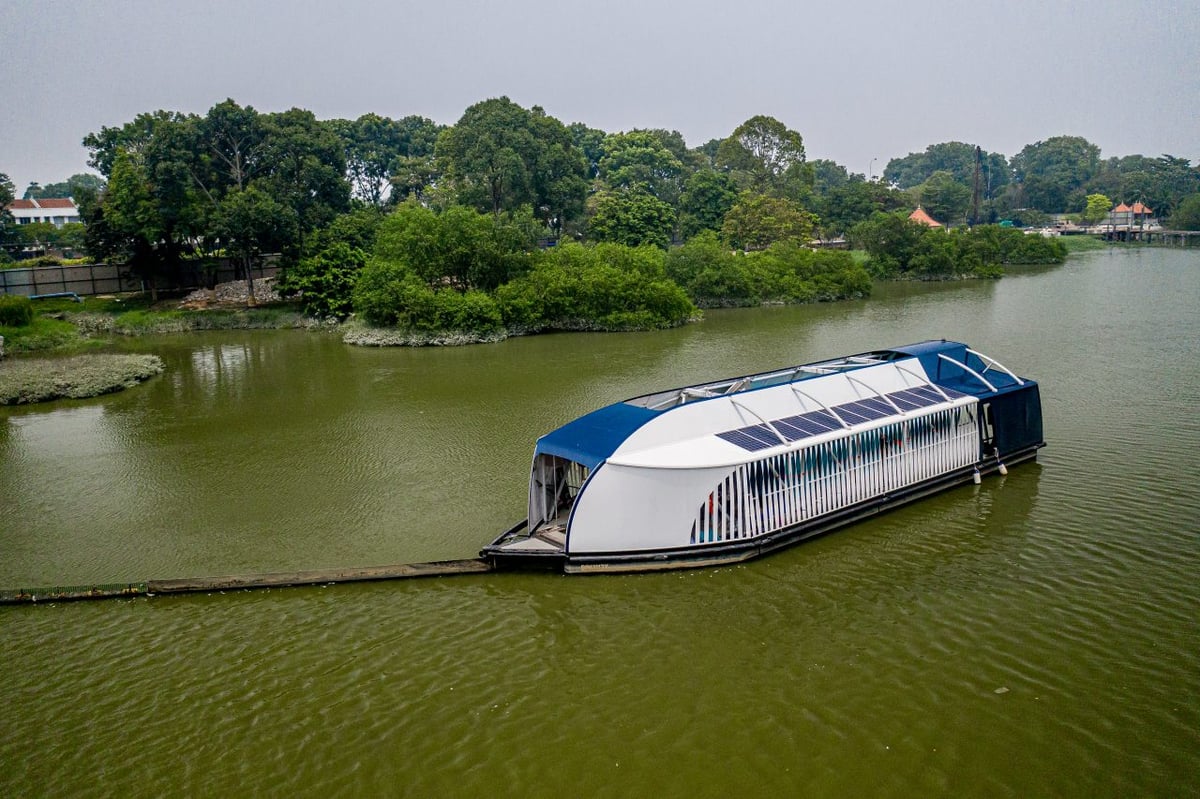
x=707 y=197
x=842 y=207
x=639 y=158
x=1187 y=214
x=559 y=172
x=7 y=190
x=590 y=142
x=385 y=155
x=1053 y=173
x=762 y=154
x=304 y=170
x=460 y=247
x=325 y=281
x=957 y=158
x=756 y=221
x=489 y=155
x=234 y=142
x=149 y=213
x=631 y=216
x=1160 y=183
x=129 y=225
x=828 y=175
x=249 y=222
x=890 y=239
x=76 y=186
x=498 y=157
x=1097 y=208
x=945 y=198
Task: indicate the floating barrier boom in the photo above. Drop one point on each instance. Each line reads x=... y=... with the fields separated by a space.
x=194 y=585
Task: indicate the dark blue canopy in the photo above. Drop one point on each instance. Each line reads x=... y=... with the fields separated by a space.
x=592 y=438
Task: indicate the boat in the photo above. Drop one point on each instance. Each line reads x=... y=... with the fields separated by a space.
x=729 y=470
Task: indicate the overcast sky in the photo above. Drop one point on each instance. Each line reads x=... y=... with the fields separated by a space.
x=863 y=81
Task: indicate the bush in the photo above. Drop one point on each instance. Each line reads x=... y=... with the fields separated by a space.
x=711 y=273
x=15 y=311
x=325 y=282
x=389 y=295
x=459 y=246
x=608 y=287
x=378 y=294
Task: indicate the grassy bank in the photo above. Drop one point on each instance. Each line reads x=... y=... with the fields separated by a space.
x=63 y=326
x=25 y=380
x=1083 y=243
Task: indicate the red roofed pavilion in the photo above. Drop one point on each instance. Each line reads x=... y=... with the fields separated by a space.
x=919 y=215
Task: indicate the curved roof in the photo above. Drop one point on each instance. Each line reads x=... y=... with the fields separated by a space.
x=592 y=438
x=720 y=423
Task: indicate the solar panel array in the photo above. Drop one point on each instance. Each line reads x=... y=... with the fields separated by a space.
x=814 y=423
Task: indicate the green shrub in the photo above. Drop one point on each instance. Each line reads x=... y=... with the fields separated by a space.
x=389 y=295
x=378 y=293
x=609 y=287
x=15 y=311
x=325 y=282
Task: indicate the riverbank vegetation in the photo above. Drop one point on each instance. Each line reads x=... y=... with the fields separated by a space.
x=900 y=248
x=510 y=221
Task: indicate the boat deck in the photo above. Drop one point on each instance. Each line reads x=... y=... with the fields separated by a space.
x=549 y=539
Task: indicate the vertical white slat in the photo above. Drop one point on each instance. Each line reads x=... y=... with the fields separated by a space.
x=773 y=503
x=743 y=526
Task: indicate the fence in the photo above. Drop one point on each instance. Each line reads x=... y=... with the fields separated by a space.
x=87 y=279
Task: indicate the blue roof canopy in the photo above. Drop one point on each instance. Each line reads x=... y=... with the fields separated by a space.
x=949 y=375
x=592 y=438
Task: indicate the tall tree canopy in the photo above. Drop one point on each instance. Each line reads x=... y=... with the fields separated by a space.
x=151 y=211
x=763 y=155
x=232 y=180
x=956 y=158
x=385 y=155
x=946 y=199
x=7 y=191
x=706 y=198
x=639 y=158
x=499 y=156
x=1160 y=183
x=631 y=216
x=78 y=185
x=1186 y=215
x=757 y=221
x=1053 y=173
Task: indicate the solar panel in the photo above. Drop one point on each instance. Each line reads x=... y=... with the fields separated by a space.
x=792 y=432
x=742 y=440
x=853 y=414
x=762 y=433
x=879 y=406
x=919 y=400
x=904 y=402
x=928 y=393
x=824 y=418
x=794 y=428
x=872 y=410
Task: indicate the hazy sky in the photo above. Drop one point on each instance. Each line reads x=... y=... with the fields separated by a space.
x=859 y=79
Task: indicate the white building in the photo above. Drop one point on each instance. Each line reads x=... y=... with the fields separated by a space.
x=58 y=211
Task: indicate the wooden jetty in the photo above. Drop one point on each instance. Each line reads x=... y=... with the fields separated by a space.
x=1169 y=238
x=193 y=585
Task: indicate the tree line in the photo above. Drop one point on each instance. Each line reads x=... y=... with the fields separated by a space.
x=417 y=224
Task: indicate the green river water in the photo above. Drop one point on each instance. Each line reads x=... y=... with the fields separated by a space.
x=1038 y=635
